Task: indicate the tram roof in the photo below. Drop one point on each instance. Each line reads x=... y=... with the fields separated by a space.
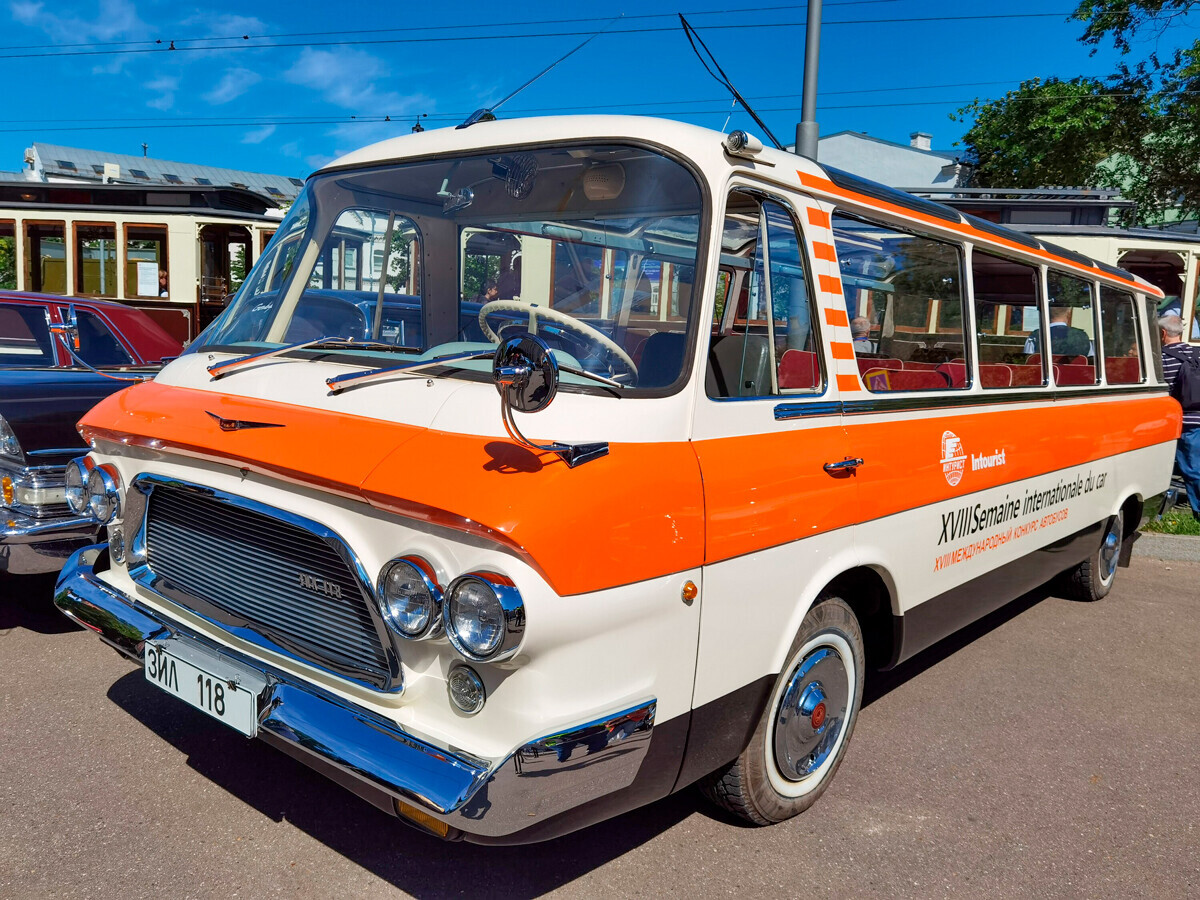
x=185 y=200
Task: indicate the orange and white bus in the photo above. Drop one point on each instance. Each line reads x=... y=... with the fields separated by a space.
x=638 y=449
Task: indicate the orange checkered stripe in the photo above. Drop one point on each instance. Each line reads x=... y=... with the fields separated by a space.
x=832 y=303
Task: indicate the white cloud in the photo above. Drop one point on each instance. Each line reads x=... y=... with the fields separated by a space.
x=291 y=148
x=347 y=78
x=165 y=87
x=226 y=25
x=258 y=135
x=232 y=85
x=109 y=20
x=317 y=160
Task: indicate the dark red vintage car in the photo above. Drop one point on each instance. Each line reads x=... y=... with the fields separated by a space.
x=43 y=393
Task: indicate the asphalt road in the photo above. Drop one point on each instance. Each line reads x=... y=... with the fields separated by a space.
x=1052 y=750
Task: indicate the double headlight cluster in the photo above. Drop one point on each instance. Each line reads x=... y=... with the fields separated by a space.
x=93 y=489
x=481 y=613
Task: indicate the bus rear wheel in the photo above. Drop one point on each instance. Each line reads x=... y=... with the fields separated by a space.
x=1093 y=578
x=803 y=733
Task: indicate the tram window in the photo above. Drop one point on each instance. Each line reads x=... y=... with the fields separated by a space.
x=96 y=260
x=908 y=288
x=1007 y=312
x=1118 y=323
x=98 y=346
x=46 y=257
x=1072 y=330
x=25 y=336
x=763 y=340
x=147 y=270
x=8 y=256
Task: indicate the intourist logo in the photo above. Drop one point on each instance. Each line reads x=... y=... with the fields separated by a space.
x=954 y=460
x=979 y=461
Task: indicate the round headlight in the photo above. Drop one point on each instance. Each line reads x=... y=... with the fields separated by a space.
x=484 y=616
x=409 y=598
x=466 y=690
x=102 y=498
x=75 y=481
x=9 y=445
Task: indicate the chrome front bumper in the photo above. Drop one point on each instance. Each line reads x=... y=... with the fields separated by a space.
x=474 y=796
x=30 y=546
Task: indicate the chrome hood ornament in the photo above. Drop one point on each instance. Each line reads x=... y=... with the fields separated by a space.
x=239 y=424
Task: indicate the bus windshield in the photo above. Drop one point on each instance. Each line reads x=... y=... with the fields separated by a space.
x=594 y=248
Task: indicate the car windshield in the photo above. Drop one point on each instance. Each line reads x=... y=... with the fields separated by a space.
x=594 y=248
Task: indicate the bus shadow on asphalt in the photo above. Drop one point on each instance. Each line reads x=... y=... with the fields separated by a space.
x=27 y=601
x=283 y=789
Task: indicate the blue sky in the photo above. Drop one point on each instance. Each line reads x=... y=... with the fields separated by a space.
x=888 y=68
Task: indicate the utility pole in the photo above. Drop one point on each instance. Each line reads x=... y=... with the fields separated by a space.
x=807 y=131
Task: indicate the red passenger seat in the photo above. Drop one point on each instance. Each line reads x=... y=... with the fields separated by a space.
x=919 y=366
x=995 y=376
x=1026 y=376
x=867 y=363
x=1074 y=375
x=1123 y=369
x=955 y=374
x=904 y=380
x=798 y=370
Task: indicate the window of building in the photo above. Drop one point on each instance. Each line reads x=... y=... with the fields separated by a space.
x=139 y=173
x=1118 y=323
x=1007 y=312
x=147 y=269
x=46 y=257
x=763 y=340
x=96 y=260
x=237 y=184
x=297 y=182
x=274 y=191
x=98 y=346
x=1072 y=330
x=173 y=179
x=204 y=181
x=97 y=168
x=66 y=164
x=904 y=297
x=8 y=256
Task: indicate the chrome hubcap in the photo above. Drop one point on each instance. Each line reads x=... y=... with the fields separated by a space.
x=1110 y=550
x=811 y=714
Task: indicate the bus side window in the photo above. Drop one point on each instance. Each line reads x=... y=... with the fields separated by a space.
x=1118 y=325
x=763 y=340
x=904 y=298
x=1072 y=330
x=1007 y=312
x=1154 y=351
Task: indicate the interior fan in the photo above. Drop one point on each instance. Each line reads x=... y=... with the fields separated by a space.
x=518 y=171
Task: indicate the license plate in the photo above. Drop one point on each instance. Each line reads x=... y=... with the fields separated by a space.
x=213 y=684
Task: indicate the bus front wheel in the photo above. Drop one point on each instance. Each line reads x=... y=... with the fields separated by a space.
x=1093 y=578
x=803 y=733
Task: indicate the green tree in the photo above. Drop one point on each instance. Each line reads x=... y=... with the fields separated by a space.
x=1137 y=130
x=8 y=263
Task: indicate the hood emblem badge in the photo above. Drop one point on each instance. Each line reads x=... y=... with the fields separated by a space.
x=239 y=424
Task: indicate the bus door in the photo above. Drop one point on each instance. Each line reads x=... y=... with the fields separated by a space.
x=780 y=486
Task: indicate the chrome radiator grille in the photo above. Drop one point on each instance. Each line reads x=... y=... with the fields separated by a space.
x=247 y=569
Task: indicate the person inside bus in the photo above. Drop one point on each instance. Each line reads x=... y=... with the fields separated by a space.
x=490 y=292
x=1176 y=354
x=163 y=290
x=1065 y=338
x=860 y=331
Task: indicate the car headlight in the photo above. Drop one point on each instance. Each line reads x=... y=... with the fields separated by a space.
x=103 y=495
x=409 y=598
x=484 y=616
x=9 y=445
x=75 y=484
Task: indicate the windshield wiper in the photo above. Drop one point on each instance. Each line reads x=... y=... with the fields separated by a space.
x=339 y=383
x=217 y=370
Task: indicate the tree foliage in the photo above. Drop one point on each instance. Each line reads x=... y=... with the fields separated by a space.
x=1137 y=130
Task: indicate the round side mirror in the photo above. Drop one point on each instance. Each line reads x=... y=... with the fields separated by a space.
x=525 y=372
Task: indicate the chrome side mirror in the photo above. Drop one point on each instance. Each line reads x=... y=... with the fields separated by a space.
x=526 y=375
x=68 y=328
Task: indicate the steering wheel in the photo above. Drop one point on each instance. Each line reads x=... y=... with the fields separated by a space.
x=559 y=318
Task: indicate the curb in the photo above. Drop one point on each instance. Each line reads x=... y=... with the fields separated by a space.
x=1168 y=546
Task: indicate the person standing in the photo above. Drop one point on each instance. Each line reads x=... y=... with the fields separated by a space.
x=1181 y=364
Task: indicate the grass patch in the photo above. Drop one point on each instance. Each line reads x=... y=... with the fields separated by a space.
x=1177 y=521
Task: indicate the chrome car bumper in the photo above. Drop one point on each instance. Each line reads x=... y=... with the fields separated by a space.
x=29 y=546
x=371 y=754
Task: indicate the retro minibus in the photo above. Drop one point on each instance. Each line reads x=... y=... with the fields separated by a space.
x=639 y=449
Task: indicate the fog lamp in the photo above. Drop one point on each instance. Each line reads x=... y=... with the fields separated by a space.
x=409 y=598
x=484 y=616
x=466 y=689
x=116 y=543
x=103 y=498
